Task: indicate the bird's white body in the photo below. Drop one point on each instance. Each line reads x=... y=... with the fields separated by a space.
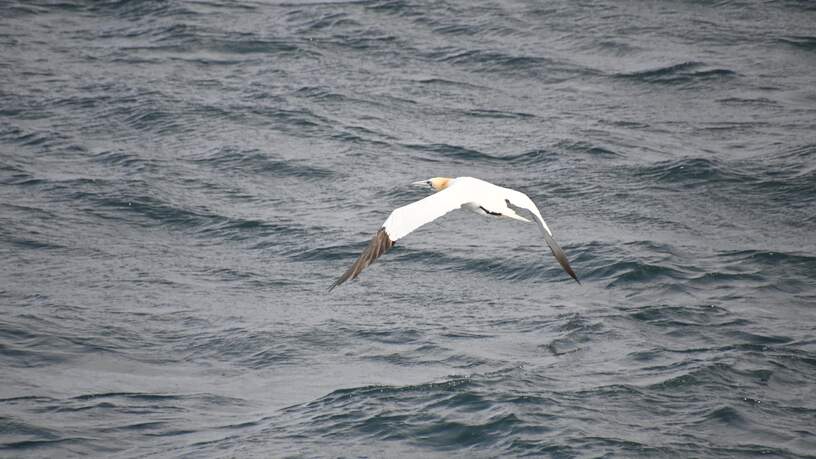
x=483 y=198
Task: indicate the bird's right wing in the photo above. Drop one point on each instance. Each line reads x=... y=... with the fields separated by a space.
x=520 y=201
x=403 y=221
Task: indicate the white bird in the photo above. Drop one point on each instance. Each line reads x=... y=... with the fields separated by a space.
x=470 y=193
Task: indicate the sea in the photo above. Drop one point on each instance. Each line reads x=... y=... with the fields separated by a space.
x=182 y=181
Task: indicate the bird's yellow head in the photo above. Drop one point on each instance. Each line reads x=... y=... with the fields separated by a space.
x=437 y=183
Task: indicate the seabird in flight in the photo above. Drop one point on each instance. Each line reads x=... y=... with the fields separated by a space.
x=470 y=193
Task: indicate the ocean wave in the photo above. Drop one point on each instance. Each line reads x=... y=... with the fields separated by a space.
x=587 y=148
x=498 y=114
x=241 y=348
x=345 y=397
x=572 y=341
x=42 y=140
x=804 y=152
x=758 y=102
x=150 y=208
x=135 y=9
x=257 y=162
x=327 y=21
x=510 y=64
x=130 y=164
x=683 y=74
x=442 y=82
x=762 y=261
x=468 y=155
x=691 y=172
x=804 y=42
x=666 y=315
x=562 y=151
x=466 y=412
x=390 y=335
x=429 y=356
x=771 y=184
x=482 y=28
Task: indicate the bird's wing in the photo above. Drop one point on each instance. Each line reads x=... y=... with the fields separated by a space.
x=379 y=244
x=520 y=201
x=403 y=221
x=406 y=219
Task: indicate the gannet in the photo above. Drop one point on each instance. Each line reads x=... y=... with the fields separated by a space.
x=479 y=196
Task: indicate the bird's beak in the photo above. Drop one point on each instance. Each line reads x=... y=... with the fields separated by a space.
x=422 y=184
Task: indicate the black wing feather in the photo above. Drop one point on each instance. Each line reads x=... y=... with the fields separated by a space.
x=557 y=252
x=379 y=244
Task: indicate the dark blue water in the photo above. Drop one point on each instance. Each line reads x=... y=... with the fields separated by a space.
x=180 y=183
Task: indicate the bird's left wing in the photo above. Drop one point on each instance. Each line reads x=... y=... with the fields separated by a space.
x=403 y=221
x=519 y=201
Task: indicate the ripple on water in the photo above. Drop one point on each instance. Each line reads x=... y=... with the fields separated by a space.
x=257 y=162
x=686 y=75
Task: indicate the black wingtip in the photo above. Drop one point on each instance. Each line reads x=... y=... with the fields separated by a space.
x=379 y=244
x=569 y=270
x=554 y=247
x=560 y=256
x=562 y=260
x=339 y=281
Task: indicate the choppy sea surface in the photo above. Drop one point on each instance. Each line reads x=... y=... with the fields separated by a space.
x=180 y=183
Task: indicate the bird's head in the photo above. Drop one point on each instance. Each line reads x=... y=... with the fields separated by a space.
x=437 y=183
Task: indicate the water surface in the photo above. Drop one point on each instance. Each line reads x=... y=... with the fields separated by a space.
x=181 y=182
